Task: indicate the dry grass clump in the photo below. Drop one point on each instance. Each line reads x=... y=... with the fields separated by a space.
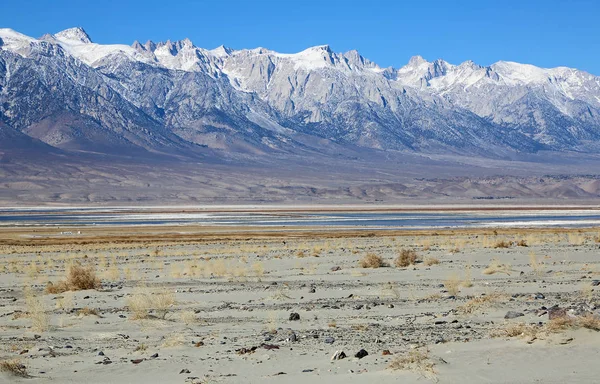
x=416 y=360
x=144 y=301
x=478 y=303
x=429 y=261
x=503 y=244
x=452 y=285
x=589 y=321
x=88 y=312
x=496 y=267
x=522 y=243
x=556 y=325
x=188 y=317
x=407 y=257
x=371 y=260
x=36 y=311
x=518 y=330
x=78 y=278
x=14 y=367
x=173 y=340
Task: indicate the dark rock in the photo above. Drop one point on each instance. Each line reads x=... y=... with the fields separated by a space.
x=595 y=283
x=386 y=352
x=294 y=316
x=336 y=268
x=360 y=354
x=184 y=371
x=329 y=340
x=307 y=370
x=137 y=361
x=539 y=296
x=556 y=313
x=100 y=353
x=154 y=356
x=312 y=290
x=513 y=314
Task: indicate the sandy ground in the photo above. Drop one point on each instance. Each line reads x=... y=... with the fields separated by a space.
x=440 y=323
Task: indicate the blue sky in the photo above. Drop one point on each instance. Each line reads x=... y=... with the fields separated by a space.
x=545 y=33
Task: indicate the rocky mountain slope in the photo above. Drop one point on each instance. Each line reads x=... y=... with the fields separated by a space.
x=176 y=98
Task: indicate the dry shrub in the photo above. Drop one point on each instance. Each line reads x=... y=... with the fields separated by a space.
x=517 y=330
x=88 y=312
x=534 y=264
x=429 y=261
x=496 y=267
x=555 y=325
x=173 y=340
x=143 y=301
x=559 y=324
x=522 y=243
x=36 y=311
x=452 y=285
x=78 y=278
x=479 y=303
x=416 y=360
x=502 y=244
x=407 y=257
x=467 y=281
x=188 y=317
x=14 y=367
x=371 y=261
x=589 y=321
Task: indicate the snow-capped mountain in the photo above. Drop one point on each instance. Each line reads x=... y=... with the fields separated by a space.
x=179 y=99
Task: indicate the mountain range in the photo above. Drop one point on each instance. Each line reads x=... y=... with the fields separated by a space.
x=65 y=98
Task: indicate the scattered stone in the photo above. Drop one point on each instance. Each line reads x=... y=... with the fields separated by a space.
x=513 y=314
x=307 y=370
x=270 y=346
x=294 y=316
x=595 y=283
x=199 y=344
x=243 y=351
x=293 y=338
x=329 y=340
x=338 y=355
x=386 y=352
x=100 y=353
x=184 y=371
x=362 y=353
x=539 y=296
x=336 y=268
x=154 y=356
x=440 y=322
x=391 y=306
x=566 y=341
x=137 y=361
x=312 y=290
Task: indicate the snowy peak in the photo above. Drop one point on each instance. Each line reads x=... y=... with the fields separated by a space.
x=73 y=35
x=14 y=40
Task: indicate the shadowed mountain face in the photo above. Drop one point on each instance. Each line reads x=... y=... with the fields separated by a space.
x=173 y=105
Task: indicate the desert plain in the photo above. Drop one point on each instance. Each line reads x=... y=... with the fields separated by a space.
x=192 y=304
